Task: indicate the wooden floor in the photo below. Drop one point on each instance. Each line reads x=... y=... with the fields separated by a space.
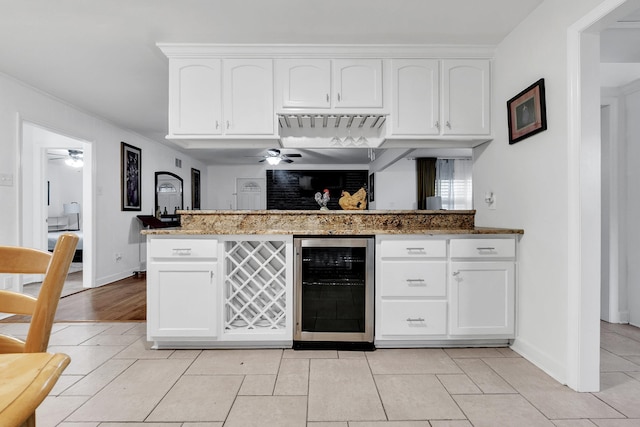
x=124 y=300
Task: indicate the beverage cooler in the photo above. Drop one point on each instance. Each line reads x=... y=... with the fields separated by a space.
x=334 y=292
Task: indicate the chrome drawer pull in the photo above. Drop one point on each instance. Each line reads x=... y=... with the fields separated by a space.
x=486 y=249
x=182 y=251
x=415 y=250
x=415 y=281
x=419 y=319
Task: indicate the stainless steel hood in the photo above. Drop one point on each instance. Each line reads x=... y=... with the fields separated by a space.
x=331 y=130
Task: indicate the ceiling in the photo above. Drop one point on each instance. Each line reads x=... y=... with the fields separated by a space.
x=101 y=55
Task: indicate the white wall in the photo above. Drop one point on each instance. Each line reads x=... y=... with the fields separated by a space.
x=632 y=229
x=65 y=187
x=614 y=307
x=530 y=179
x=396 y=186
x=116 y=231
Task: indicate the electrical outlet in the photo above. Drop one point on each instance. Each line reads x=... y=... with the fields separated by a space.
x=6 y=179
x=118 y=256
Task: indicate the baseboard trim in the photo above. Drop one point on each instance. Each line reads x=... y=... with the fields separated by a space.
x=540 y=359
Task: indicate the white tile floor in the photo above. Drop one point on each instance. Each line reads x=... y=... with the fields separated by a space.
x=115 y=380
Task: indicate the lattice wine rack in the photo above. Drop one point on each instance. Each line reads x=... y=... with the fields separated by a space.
x=254 y=289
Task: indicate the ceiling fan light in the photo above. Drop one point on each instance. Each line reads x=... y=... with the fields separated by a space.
x=74 y=162
x=273 y=160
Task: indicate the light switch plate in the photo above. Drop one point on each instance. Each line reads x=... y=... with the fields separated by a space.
x=6 y=179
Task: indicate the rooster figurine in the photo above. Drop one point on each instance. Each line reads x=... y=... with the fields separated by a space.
x=357 y=201
x=323 y=199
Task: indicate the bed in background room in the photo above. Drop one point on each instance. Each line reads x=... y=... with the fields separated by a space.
x=58 y=226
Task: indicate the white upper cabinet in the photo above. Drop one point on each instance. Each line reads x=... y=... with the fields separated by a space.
x=357 y=83
x=195 y=105
x=416 y=95
x=466 y=95
x=329 y=84
x=305 y=83
x=248 y=97
x=214 y=97
x=448 y=97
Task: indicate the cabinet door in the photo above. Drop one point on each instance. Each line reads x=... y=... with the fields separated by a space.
x=181 y=299
x=483 y=298
x=465 y=97
x=305 y=83
x=357 y=83
x=195 y=102
x=416 y=102
x=248 y=97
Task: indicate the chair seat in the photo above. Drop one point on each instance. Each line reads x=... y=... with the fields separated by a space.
x=25 y=380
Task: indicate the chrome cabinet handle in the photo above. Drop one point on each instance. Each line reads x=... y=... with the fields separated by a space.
x=217 y=124
x=416 y=282
x=228 y=124
x=339 y=97
x=418 y=319
x=448 y=124
x=182 y=251
x=421 y=250
x=486 y=249
x=328 y=97
x=437 y=125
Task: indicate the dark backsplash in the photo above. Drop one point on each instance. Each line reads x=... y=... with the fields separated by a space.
x=296 y=189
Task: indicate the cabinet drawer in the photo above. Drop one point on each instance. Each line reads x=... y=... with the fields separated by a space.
x=413 y=248
x=183 y=248
x=483 y=248
x=414 y=317
x=414 y=279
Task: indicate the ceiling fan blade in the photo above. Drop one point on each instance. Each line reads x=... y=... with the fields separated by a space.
x=292 y=155
x=261 y=160
x=287 y=160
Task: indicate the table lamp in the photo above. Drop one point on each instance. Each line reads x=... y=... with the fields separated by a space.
x=73 y=208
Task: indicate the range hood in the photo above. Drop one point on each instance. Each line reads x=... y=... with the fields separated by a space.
x=331 y=130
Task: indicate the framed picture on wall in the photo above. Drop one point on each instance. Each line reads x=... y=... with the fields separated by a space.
x=195 y=188
x=131 y=177
x=527 y=112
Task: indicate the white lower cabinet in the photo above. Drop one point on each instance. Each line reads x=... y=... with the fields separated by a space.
x=413 y=318
x=181 y=289
x=482 y=298
x=219 y=291
x=445 y=290
x=182 y=305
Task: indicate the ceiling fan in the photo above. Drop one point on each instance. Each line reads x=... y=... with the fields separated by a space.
x=72 y=157
x=274 y=157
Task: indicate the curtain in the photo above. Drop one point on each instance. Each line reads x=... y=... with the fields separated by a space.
x=453 y=183
x=426 y=173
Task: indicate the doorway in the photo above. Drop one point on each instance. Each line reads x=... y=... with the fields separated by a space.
x=37 y=195
x=585 y=184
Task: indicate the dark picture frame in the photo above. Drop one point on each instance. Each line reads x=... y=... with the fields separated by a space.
x=527 y=112
x=195 y=188
x=131 y=177
x=372 y=181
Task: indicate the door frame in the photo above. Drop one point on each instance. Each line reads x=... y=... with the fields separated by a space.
x=32 y=192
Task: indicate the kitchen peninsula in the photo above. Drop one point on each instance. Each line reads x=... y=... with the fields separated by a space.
x=226 y=278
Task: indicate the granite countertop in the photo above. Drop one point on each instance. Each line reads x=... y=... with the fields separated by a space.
x=328 y=222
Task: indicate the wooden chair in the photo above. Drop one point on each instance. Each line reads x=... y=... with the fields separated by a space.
x=18 y=260
x=25 y=381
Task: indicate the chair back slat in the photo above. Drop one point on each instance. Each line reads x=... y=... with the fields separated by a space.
x=19 y=260
x=55 y=268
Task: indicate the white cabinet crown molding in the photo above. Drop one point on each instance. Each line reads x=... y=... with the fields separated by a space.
x=274 y=51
